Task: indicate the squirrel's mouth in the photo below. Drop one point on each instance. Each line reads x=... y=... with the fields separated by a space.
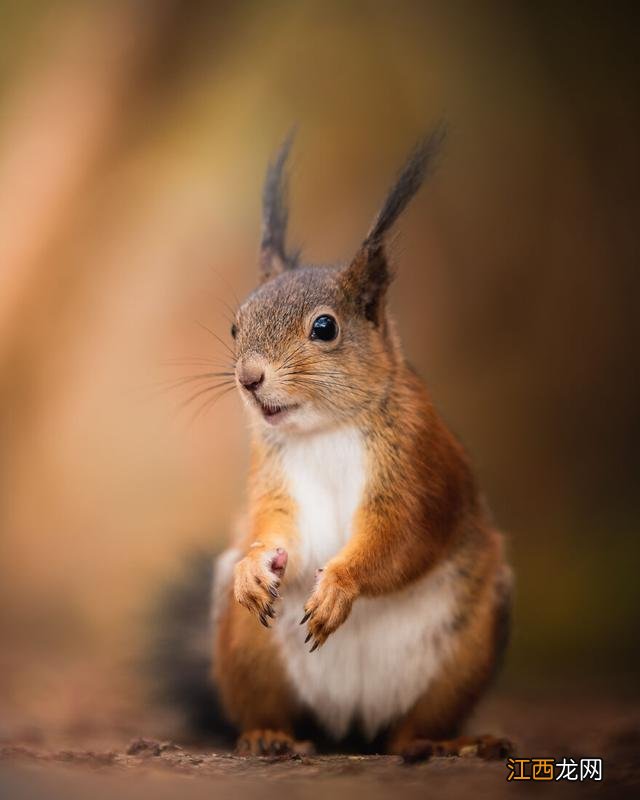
x=273 y=412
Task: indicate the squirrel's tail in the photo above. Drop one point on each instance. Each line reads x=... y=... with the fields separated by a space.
x=178 y=659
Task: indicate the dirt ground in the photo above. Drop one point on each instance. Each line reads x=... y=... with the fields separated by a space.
x=100 y=767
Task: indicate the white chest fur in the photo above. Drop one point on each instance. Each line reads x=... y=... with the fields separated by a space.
x=373 y=668
x=325 y=474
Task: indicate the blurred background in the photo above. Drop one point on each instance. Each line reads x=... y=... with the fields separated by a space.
x=133 y=142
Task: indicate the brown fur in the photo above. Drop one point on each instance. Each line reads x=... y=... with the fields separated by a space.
x=420 y=504
x=250 y=676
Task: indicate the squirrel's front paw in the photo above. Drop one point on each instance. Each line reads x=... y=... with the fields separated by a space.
x=257 y=578
x=329 y=605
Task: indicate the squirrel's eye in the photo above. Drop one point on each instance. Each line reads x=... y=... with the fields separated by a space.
x=324 y=328
x=234 y=330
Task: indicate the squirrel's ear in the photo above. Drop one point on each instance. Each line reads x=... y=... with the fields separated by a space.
x=274 y=258
x=368 y=276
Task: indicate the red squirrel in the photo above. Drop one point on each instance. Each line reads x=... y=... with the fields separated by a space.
x=369 y=587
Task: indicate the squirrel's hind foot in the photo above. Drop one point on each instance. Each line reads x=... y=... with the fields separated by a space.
x=487 y=747
x=273 y=743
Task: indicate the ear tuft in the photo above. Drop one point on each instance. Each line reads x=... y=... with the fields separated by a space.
x=368 y=276
x=274 y=258
x=419 y=165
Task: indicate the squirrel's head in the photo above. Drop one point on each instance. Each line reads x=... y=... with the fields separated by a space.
x=314 y=345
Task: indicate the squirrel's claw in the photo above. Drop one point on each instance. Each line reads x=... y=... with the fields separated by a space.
x=328 y=607
x=256 y=583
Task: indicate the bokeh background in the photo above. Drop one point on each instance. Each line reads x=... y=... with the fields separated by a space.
x=133 y=142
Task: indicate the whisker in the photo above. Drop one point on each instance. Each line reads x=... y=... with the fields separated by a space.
x=294 y=352
x=210 y=402
x=321 y=386
x=174 y=383
x=227 y=312
x=200 y=392
x=175 y=362
x=232 y=311
x=218 y=339
x=337 y=378
x=313 y=373
x=355 y=402
x=301 y=374
x=229 y=286
x=302 y=363
x=195 y=361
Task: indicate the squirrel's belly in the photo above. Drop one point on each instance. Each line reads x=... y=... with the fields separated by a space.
x=374 y=667
x=377 y=664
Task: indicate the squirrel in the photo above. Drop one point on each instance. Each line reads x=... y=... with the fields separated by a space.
x=368 y=588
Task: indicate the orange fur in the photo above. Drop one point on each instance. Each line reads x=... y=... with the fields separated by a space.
x=420 y=506
x=249 y=674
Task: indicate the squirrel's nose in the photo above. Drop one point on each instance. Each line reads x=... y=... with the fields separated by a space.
x=251 y=376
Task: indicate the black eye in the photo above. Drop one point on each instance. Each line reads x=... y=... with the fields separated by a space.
x=234 y=330
x=324 y=328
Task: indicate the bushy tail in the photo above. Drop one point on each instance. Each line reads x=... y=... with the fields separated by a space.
x=178 y=657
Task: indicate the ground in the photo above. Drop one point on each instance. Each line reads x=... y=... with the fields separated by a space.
x=579 y=725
